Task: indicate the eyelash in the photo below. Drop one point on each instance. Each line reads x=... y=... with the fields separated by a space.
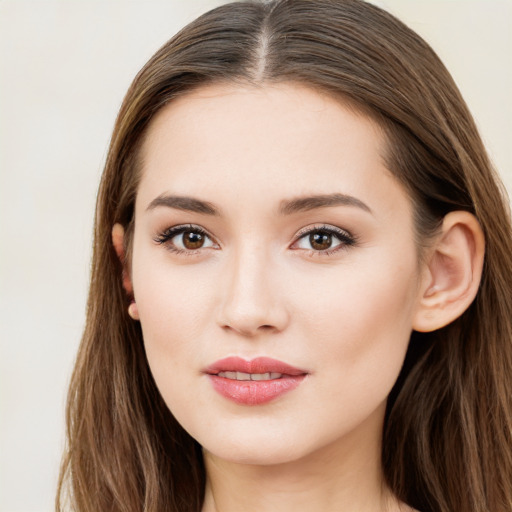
x=166 y=236
x=347 y=240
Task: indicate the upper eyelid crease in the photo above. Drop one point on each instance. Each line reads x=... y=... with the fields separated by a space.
x=176 y=230
x=323 y=227
x=179 y=229
x=342 y=234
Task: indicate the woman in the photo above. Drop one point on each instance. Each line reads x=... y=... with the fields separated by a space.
x=290 y=306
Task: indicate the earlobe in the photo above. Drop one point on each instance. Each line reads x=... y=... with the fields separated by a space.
x=453 y=272
x=118 y=243
x=133 y=310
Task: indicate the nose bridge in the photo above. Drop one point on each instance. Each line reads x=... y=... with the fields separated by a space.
x=251 y=298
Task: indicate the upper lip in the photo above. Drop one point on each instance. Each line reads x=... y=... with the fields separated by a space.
x=257 y=365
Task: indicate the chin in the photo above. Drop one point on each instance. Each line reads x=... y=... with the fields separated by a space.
x=258 y=446
x=255 y=455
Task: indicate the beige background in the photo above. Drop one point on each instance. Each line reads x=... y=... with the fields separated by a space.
x=64 y=68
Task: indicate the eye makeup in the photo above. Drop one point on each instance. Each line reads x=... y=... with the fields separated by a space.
x=192 y=241
x=319 y=235
x=323 y=240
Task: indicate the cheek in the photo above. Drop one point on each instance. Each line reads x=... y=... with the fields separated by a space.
x=173 y=303
x=172 y=311
x=359 y=322
x=356 y=334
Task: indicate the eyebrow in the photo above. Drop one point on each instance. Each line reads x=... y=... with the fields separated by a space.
x=188 y=204
x=287 y=207
x=302 y=204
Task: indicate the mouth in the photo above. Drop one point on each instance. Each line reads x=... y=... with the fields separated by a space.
x=254 y=382
x=250 y=376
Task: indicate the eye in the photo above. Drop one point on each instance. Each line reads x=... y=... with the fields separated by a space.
x=185 y=239
x=324 y=240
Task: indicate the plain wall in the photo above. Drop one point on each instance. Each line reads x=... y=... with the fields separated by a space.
x=64 y=68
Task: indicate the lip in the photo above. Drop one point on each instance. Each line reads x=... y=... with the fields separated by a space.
x=254 y=392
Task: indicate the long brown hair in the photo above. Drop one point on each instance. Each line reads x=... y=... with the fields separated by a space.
x=447 y=442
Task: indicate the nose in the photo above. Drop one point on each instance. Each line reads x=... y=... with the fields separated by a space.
x=252 y=300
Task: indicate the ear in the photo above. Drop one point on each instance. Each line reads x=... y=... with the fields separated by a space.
x=452 y=274
x=118 y=242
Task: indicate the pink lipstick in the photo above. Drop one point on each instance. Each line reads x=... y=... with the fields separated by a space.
x=253 y=382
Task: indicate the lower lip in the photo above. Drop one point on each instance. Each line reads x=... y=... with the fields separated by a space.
x=254 y=392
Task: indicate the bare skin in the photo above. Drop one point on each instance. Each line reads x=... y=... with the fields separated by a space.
x=255 y=285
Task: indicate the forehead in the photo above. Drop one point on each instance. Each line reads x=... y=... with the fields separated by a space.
x=231 y=106
x=279 y=140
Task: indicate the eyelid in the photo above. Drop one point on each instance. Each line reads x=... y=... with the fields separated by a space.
x=323 y=227
x=165 y=236
x=345 y=237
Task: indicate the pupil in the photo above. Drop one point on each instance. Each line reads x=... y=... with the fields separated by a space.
x=320 y=240
x=192 y=240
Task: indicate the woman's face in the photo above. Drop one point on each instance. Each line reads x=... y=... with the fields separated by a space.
x=267 y=226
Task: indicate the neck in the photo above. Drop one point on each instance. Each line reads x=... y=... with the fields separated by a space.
x=345 y=475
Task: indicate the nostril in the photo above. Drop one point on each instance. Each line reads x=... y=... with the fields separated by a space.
x=247 y=331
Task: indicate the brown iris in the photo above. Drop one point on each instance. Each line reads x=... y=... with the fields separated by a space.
x=193 y=239
x=320 y=240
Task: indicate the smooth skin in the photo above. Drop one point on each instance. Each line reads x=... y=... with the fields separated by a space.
x=334 y=287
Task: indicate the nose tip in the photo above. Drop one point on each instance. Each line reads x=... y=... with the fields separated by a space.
x=250 y=317
x=252 y=302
